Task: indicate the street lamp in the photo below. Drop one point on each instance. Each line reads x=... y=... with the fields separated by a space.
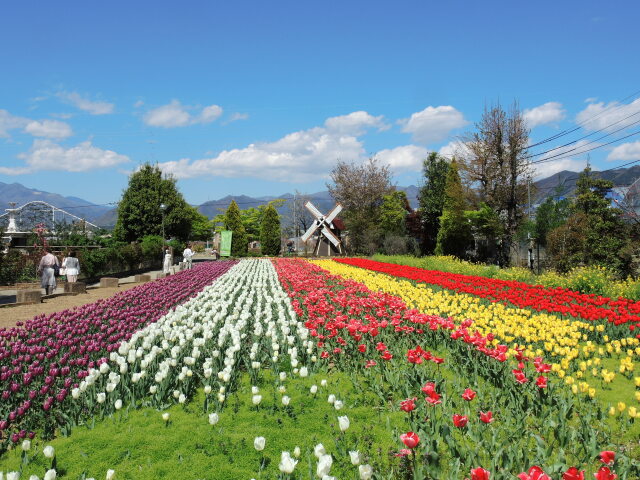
x=162 y=207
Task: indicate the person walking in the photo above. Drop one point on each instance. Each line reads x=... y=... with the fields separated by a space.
x=71 y=264
x=187 y=255
x=46 y=270
x=166 y=264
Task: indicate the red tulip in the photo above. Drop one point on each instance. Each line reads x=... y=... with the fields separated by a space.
x=479 y=474
x=607 y=456
x=460 y=421
x=408 y=405
x=541 y=382
x=429 y=387
x=605 y=474
x=573 y=474
x=486 y=417
x=386 y=355
x=434 y=398
x=468 y=395
x=410 y=439
x=535 y=473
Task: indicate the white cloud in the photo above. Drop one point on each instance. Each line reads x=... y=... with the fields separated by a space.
x=47 y=155
x=175 y=114
x=49 y=129
x=626 y=151
x=404 y=158
x=209 y=114
x=237 y=116
x=433 y=124
x=301 y=156
x=10 y=122
x=547 y=113
x=83 y=103
x=355 y=123
x=455 y=148
x=138 y=104
x=606 y=114
x=545 y=170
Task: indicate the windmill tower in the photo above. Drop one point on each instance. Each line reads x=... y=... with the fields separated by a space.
x=328 y=242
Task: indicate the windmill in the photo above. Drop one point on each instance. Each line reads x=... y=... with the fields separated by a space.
x=331 y=243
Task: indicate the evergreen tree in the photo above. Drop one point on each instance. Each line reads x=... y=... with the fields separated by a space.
x=139 y=211
x=393 y=213
x=270 y=232
x=233 y=222
x=454 y=235
x=431 y=198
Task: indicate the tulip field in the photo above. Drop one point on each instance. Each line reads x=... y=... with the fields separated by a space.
x=325 y=369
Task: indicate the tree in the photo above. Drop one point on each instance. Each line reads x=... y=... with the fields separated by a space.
x=393 y=213
x=495 y=164
x=431 y=198
x=550 y=215
x=270 y=232
x=454 y=235
x=139 y=211
x=361 y=189
x=201 y=226
x=233 y=222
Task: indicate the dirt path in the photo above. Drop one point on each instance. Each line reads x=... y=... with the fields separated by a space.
x=10 y=315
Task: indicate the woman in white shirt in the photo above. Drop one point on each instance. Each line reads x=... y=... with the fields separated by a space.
x=72 y=266
x=46 y=271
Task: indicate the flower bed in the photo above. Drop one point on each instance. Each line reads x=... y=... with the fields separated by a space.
x=556 y=300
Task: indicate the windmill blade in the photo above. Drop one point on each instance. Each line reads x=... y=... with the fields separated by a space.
x=334 y=213
x=332 y=238
x=311 y=230
x=314 y=211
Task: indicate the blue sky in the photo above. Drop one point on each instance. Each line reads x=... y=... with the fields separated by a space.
x=261 y=98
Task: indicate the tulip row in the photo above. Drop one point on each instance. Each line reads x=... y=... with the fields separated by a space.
x=43 y=360
x=555 y=300
x=535 y=333
x=374 y=336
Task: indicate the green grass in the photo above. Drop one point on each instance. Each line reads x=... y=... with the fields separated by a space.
x=138 y=445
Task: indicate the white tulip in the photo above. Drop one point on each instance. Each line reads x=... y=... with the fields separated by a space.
x=255 y=390
x=285 y=400
x=32 y=477
x=118 y=404
x=26 y=445
x=165 y=416
x=221 y=397
x=256 y=399
x=304 y=372
x=101 y=397
x=319 y=450
x=49 y=451
x=50 y=475
x=75 y=393
x=153 y=389
x=365 y=471
x=331 y=399
x=13 y=475
x=313 y=389
x=283 y=376
x=355 y=457
x=213 y=418
x=182 y=398
x=176 y=394
x=323 y=383
x=324 y=465
x=296 y=452
x=343 y=423
x=104 y=368
x=287 y=464
x=282 y=389
x=222 y=389
x=111 y=474
x=258 y=443
x=207 y=389
x=338 y=404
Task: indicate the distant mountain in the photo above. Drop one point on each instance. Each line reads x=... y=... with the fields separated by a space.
x=564 y=183
x=18 y=193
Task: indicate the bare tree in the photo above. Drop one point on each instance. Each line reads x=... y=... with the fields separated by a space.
x=360 y=189
x=495 y=165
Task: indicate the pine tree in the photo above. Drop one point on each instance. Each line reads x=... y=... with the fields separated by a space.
x=233 y=222
x=431 y=199
x=270 y=232
x=454 y=236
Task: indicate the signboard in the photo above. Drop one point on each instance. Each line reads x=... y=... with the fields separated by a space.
x=225 y=243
